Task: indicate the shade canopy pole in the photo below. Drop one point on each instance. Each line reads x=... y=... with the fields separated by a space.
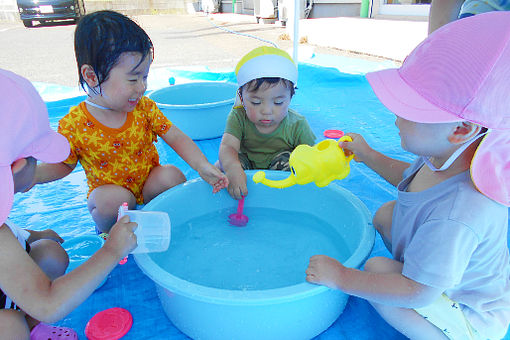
x=296 y=31
x=293 y=16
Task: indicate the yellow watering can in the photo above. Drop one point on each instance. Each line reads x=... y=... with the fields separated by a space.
x=321 y=163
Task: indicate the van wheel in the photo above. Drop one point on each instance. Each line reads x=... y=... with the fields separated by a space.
x=28 y=23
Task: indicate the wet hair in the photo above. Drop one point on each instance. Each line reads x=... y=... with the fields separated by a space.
x=101 y=37
x=255 y=84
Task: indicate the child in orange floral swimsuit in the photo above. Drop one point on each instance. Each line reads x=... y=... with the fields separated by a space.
x=112 y=133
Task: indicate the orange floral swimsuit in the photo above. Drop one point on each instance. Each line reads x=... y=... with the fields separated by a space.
x=123 y=156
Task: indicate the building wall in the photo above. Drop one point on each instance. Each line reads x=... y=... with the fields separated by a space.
x=320 y=9
x=9 y=9
x=331 y=9
x=137 y=7
x=404 y=11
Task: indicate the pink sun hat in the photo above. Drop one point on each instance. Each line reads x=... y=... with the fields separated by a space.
x=461 y=72
x=24 y=131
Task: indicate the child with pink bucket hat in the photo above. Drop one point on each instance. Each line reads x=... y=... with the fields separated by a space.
x=32 y=285
x=447 y=230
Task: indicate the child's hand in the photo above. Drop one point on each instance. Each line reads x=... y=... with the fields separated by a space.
x=214 y=177
x=237 y=185
x=122 y=239
x=47 y=234
x=358 y=147
x=324 y=270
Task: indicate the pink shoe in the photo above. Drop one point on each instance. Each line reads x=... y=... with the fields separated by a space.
x=44 y=331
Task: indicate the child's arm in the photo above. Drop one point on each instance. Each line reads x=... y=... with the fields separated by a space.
x=50 y=301
x=388 y=287
x=190 y=152
x=443 y=12
x=49 y=172
x=388 y=168
x=229 y=158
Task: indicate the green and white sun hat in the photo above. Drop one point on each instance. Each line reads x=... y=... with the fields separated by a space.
x=266 y=62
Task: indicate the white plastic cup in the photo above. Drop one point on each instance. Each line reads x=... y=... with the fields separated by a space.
x=153 y=232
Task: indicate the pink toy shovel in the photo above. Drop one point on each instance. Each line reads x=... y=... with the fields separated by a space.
x=238 y=219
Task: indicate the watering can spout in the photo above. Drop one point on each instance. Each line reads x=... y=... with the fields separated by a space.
x=260 y=177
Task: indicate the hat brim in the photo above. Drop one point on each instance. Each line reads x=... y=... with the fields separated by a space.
x=50 y=148
x=6 y=192
x=404 y=101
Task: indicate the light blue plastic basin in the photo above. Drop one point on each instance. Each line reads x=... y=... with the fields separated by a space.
x=200 y=109
x=217 y=281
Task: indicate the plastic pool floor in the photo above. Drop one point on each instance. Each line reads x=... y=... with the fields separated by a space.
x=329 y=99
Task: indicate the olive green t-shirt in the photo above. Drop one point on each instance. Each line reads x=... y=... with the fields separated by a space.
x=261 y=148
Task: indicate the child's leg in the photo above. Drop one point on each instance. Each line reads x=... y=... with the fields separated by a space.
x=13 y=325
x=50 y=257
x=104 y=203
x=160 y=179
x=246 y=164
x=406 y=321
x=280 y=162
x=382 y=222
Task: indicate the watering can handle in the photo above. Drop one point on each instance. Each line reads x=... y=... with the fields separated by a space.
x=346 y=139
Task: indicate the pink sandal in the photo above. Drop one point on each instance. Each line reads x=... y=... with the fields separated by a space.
x=44 y=331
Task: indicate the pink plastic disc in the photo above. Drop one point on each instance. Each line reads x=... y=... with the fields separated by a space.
x=110 y=324
x=333 y=134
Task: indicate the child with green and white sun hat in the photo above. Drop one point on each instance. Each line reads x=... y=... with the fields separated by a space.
x=261 y=129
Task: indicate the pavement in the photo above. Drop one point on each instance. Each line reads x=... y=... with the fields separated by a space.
x=391 y=39
x=217 y=41
x=383 y=38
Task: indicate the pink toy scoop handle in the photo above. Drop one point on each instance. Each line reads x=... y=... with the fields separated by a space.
x=238 y=219
x=240 y=206
x=122 y=209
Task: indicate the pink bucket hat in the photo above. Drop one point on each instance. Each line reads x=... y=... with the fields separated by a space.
x=461 y=72
x=24 y=131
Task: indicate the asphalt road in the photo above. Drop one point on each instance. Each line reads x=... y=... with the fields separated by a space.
x=46 y=54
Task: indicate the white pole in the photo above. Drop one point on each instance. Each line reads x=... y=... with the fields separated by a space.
x=293 y=16
x=297 y=16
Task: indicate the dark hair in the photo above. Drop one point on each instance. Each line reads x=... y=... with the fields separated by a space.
x=255 y=84
x=101 y=37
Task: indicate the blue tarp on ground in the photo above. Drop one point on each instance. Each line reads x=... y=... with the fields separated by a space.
x=327 y=97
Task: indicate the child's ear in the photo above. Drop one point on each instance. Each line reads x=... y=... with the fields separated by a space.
x=463 y=132
x=18 y=165
x=88 y=74
x=239 y=98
